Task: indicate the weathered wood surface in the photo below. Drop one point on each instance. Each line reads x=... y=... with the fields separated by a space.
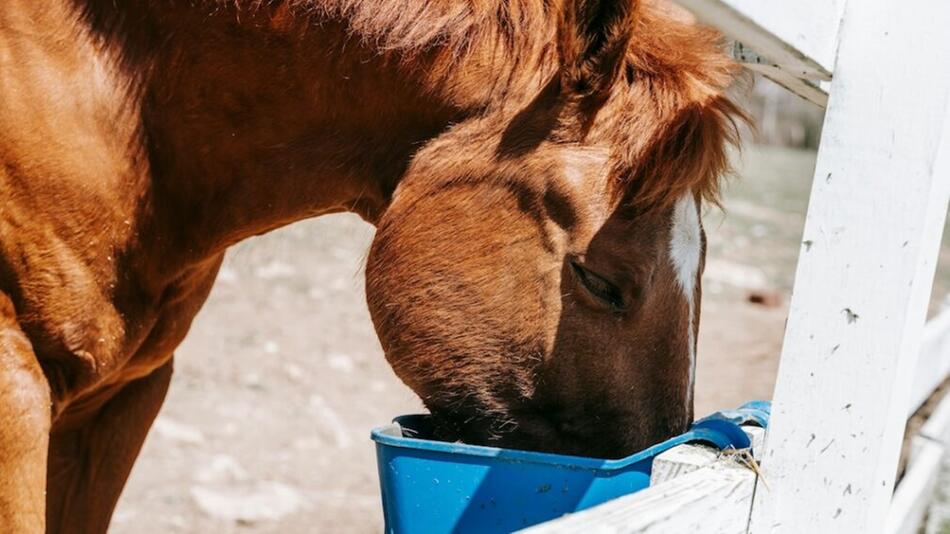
x=682 y=505
x=684 y=459
x=650 y=510
x=864 y=276
x=938 y=515
x=909 y=505
x=913 y=496
x=937 y=429
x=688 y=483
x=792 y=43
x=806 y=89
x=933 y=366
x=680 y=461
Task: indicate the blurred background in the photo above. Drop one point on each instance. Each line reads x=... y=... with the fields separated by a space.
x=266 y=427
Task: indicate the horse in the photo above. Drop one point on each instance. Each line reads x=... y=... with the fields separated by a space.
x=536 y=171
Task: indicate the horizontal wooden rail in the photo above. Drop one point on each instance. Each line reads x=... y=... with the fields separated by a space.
x=698 y=489
x=914 y=494
x=791 y=43
x=933 y=365
x=693 y=488
x=716 y=498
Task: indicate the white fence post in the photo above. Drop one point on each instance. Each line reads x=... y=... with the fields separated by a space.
x=865 y=272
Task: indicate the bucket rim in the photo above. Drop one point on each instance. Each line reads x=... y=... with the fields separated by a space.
x=391 y=436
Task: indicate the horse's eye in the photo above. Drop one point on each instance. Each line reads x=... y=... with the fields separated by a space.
x=600 y=288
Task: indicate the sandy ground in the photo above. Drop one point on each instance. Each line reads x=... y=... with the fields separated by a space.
x=280 y=381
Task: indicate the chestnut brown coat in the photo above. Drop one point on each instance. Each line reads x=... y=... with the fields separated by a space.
x=534 y=167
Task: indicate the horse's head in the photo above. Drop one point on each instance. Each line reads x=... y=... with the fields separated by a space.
x=536 y=279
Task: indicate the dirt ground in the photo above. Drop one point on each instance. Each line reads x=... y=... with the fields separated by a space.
x=266 y=427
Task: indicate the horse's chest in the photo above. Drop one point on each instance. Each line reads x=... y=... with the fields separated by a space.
x=92 y=338
x=171 y=320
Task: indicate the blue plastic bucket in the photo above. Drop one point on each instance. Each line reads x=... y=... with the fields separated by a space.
x=430 y=486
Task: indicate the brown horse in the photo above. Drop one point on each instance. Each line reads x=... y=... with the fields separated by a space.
x=534 y=168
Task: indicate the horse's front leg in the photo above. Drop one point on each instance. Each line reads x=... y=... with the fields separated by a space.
x=88 y=466
x=24 y=428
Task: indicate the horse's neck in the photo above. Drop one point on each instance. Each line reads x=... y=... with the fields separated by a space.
x=127 y=167
x=249 y=129
x=221 y=130
x=255 y=119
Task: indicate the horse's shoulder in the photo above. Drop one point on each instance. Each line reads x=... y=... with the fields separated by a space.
x=91 y=313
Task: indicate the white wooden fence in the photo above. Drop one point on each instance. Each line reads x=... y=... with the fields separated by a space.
x=849 y=373
x=695 y=489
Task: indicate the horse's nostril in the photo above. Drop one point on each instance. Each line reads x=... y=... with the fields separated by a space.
x=569 y=427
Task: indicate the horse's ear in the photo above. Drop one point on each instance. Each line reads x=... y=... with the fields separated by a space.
x=592 y=41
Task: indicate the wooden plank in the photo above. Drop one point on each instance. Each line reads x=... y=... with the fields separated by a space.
x=757 y=438
x=864 y=276
x=715 y=498
x=905 y=514
x=711 y=476
x=933 y=366
x=938 y=515
x=680 y=461
x=800 y=36
x=792 y=43
x=803 y=88
x=937 y=428
x=912 y=498
x=652 y=512
x=684 y=459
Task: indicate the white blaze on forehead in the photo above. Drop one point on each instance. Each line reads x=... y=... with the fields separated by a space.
x=686 y=244
x=685 y=251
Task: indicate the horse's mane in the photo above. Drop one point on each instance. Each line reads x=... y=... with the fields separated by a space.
x=413 y=26
x=671 y=116
x=669 y=119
